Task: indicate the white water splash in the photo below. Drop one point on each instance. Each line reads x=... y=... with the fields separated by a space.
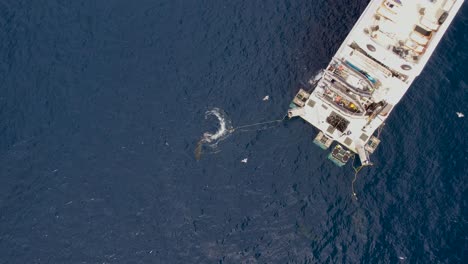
x=212 y=139
x=316 y=77
x=224 y=129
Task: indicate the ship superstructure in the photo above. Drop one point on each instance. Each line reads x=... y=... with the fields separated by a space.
x=385 y=51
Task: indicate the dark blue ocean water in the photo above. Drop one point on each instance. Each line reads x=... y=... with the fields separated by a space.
x=102 y=104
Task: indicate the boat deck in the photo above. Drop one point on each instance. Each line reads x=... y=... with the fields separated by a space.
x=407 y=28
x=374 y=67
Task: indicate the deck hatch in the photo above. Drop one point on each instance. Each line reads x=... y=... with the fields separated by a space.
x=337 y=122
x=311 y=103
x=330 y=130
x=348 y=141
x=364 y=137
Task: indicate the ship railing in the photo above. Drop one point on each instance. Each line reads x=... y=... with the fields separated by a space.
x=370 y=63
x=361 y=56
x=344 y=86
x=336 y=100
x=343 y=67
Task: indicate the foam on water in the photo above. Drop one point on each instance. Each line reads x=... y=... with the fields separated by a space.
x=224 y=129
x=317 y=76
x=211 y=140
x=116 y=110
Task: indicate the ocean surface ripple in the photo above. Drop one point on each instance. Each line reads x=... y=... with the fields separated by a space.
x=102 y=104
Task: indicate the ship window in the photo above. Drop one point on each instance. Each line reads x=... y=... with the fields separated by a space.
x=443 y=17
x=406 y=67
x=422 y=31
x=370 y=47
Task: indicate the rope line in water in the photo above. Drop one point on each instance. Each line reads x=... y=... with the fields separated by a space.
x=379 y=130
x=358 y=169
x=199 y=148
x=257 y=124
